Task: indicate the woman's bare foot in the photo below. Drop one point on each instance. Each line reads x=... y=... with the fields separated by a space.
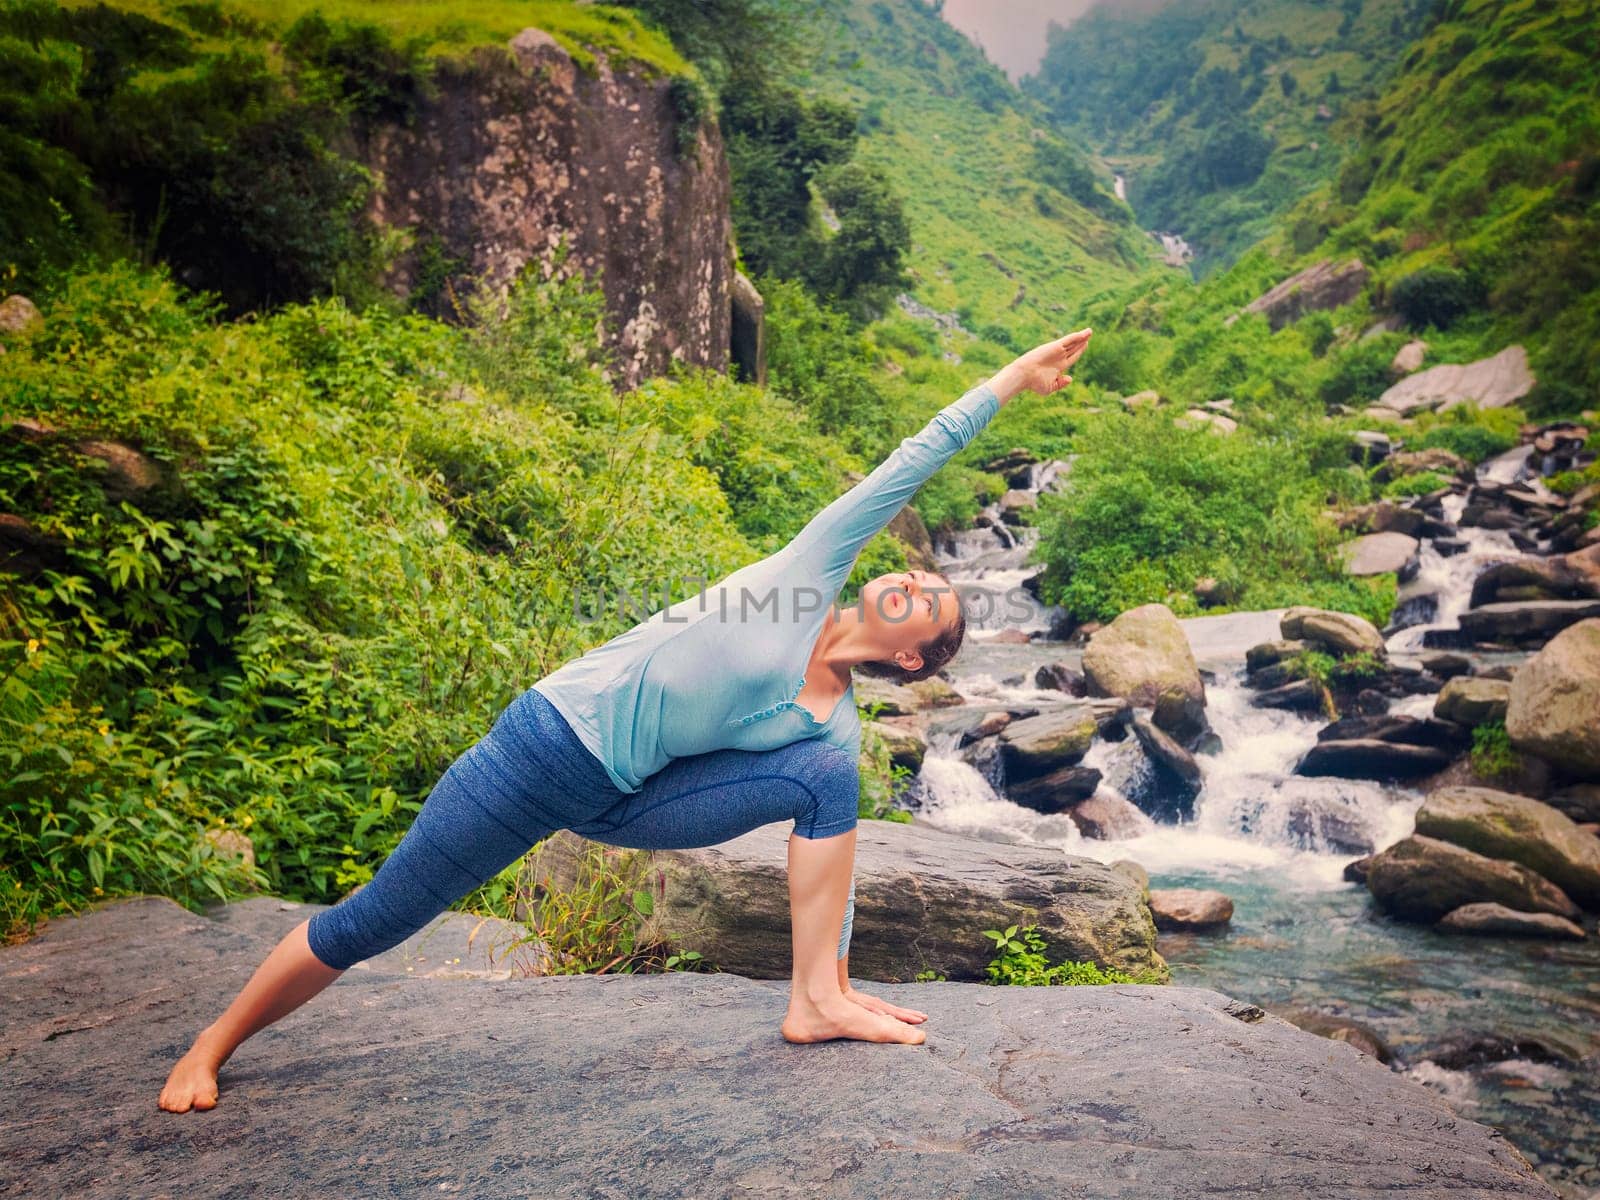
x=193 y=1082
x=911 y=1016
x=835 y=1017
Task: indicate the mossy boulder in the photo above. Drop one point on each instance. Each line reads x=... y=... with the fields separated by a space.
x=1553 y=710
x=1421 y=879
x=1519 y=829
x=1472 y=700
x=1140 y=655
x=1336 y=633
x=1045 y=743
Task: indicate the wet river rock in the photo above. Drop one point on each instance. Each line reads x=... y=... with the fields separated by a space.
x=1421 y=879
x=1469 y=700
x=1190 y=910
x=1496 y=920
x=1519 y=829
x=1140 y=655
x=1337 y=633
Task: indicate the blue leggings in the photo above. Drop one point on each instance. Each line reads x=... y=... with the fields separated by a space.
x=530 y=776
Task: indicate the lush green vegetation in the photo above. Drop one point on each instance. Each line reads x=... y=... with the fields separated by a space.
x=1020 y=961
x=371 y=531
x=1152 y=508
x=1475 y=187
x=1493 y=756
x=1221 y=114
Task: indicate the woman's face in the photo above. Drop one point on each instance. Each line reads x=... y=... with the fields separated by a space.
x=908 y=609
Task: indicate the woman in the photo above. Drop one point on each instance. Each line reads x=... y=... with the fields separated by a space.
x=708 y=720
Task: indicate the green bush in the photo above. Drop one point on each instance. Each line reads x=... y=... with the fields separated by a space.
x=1435 y=296
x=370 y=532
x=1493 y=756
x=1415 y=485
x=1360 y=374
x=1473 y=442
x=1151 y=508
x=1020 y=961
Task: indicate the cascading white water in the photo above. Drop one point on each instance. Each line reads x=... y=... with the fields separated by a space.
x=1449 y=578
x=1252 y=811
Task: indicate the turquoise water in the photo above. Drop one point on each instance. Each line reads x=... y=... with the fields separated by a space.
x=1330 y=951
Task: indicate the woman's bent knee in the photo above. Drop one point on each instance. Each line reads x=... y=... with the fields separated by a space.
x=832 y=779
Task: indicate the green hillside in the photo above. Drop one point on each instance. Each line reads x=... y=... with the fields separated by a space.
x=1474 y=198
x=1011 y=225
x=1221 y=114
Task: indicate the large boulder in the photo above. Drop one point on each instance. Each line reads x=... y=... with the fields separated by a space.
x=1060 y=677
x=1497 y=920
x=1519 y=829
x=1472 y=700
x=1574 y=576
x=1397 y=727
x=674 y=1084
x=1372 y=758
x=1140 y=655
x=1554 y=709
x=1421 y=879
x=1045 y=743
x=1165 y=751
x=1323 y=286
x=1327 y=820
x=1060 y=790
x=1267 y=654
x=923 y=898
x=1488 y=383
x=1337 y=633
x=1380 y=554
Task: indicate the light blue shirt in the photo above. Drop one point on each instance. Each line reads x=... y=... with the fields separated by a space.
x=722 y=669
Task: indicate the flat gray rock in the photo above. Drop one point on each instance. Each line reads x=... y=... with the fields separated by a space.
x=680 y=1085
x=1489 y=383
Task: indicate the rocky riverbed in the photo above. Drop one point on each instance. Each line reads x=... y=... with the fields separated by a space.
x=1277 y=757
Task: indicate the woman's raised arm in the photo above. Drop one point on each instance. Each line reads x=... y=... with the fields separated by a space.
x=831 y=540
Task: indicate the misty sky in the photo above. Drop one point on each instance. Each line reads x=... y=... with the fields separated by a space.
x=1011 y=32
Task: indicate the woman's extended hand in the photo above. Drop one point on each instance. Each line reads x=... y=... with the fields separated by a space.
x=1042 y=369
